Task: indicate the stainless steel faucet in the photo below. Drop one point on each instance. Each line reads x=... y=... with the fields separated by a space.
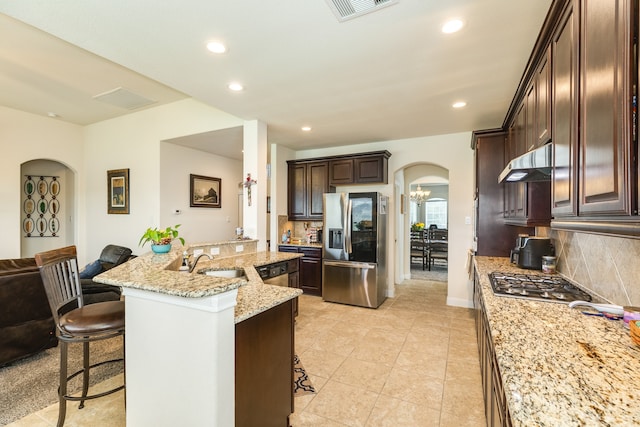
x=195 y=261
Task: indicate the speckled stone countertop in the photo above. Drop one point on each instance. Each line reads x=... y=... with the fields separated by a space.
x=159 y=273
x=558 y=366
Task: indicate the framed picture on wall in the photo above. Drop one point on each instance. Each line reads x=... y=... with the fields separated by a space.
x=118 y=191
x=205 y=192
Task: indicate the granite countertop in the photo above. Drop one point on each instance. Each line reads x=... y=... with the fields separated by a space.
x=159 y=273
x=558 y=366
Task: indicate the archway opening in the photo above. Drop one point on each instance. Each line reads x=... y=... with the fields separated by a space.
x=47 y=206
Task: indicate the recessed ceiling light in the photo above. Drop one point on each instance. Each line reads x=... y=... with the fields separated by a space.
x=52 y=114
x=236 y=87
x=216 y=47
x=306 y=128
x=459 y=104
x=452 y=26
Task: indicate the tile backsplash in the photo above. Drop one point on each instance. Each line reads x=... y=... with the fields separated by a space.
x=607 y=266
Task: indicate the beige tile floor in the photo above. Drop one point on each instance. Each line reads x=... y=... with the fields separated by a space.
x=412 y=362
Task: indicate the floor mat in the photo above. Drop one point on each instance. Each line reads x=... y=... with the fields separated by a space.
x=301 y=382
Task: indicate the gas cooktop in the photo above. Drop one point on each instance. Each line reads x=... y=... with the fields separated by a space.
x=539 y=287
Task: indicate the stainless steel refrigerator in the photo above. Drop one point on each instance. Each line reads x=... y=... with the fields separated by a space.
x=354 y=246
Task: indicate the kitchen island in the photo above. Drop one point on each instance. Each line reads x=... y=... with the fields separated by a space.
x=181 y=335
x=550 y=365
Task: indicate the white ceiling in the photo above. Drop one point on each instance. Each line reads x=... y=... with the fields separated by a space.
x=383 y=76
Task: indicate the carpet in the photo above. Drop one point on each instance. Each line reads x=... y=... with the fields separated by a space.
x=438 y=273
x=301 y=382
x=31 y=384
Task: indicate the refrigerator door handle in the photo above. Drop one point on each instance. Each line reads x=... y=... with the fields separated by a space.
x=349 y=264
x=348 y=247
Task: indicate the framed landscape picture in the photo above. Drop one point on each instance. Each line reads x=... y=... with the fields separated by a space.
x=205 y=191
x=118 y=191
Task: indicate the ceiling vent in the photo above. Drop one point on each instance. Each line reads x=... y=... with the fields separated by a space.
x=124 y=98
x=348 y=9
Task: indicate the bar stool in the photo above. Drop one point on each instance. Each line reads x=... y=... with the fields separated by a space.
x=75 y=321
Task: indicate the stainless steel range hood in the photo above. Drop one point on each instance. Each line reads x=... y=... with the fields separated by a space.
x=534 y=165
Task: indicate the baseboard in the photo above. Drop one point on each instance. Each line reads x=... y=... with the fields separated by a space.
x=459 y=302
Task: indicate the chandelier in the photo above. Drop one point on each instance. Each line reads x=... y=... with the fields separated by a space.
x=419 y=196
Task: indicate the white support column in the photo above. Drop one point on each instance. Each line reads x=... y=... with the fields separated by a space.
x=255 y=163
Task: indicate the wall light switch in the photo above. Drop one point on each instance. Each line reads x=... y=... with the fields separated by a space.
x=197 y=252
x=239 y=248
x=467 y=220
x=215 y=251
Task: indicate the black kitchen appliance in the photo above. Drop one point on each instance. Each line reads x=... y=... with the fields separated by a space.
x=529 y=251
x=538 y=287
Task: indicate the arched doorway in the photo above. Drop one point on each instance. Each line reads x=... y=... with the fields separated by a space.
x=432 y=211
x=47 y=206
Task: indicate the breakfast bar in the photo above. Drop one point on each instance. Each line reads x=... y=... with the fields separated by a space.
x=546 y=364
x=181 y=333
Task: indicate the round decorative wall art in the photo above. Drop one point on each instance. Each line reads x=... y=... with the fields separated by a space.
x=41 y=206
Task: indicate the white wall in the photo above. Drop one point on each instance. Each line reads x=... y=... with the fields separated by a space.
x=451 y=152
x=134 y=142
x=197 y=225
x=279 y=179
x=25 y=137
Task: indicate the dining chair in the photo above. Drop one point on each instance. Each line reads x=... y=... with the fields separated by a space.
x=76 y=322
x=419 y=248
x=438 y=246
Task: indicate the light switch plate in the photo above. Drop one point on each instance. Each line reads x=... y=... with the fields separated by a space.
x=197 y=252
x=239 y=248
x=215 y=251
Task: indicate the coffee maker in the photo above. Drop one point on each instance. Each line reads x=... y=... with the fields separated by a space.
x=529 y=251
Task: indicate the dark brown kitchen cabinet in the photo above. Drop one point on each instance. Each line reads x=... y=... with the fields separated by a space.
x=493 y=237
x=371 y=169
x=564 y=74
x=543 y=101
x=264 y=351
x=361 y=168
x=606 y=83
x=311 y=271
x=310 y=268
x=308 y=181
x=496 y=409
x=595 y=155
x=526 y=204
x=341 y=172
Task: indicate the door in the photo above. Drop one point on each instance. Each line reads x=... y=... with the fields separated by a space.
x=363 y=225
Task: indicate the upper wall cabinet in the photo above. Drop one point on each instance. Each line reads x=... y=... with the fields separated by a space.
x=542 y=82
x=564 y=78
x=606 y=97
x=579 y=91
x=595 y=182
x=309 y=179
x=363 y=168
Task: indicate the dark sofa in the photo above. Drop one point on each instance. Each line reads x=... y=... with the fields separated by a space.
x=26 y=323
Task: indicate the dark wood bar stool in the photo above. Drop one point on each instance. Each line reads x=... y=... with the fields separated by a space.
x=75 y=321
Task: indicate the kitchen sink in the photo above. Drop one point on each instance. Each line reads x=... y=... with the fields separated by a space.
x=229 y=273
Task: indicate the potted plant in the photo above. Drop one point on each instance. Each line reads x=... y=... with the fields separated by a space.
x=160 y=239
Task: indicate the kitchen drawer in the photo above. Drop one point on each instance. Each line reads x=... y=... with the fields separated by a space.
x=311 y=252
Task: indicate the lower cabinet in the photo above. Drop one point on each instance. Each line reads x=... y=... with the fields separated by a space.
x=495 y=405
x=310 y=273
x=264 y=368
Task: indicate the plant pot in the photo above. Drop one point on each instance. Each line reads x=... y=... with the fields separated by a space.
x=161 y=249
